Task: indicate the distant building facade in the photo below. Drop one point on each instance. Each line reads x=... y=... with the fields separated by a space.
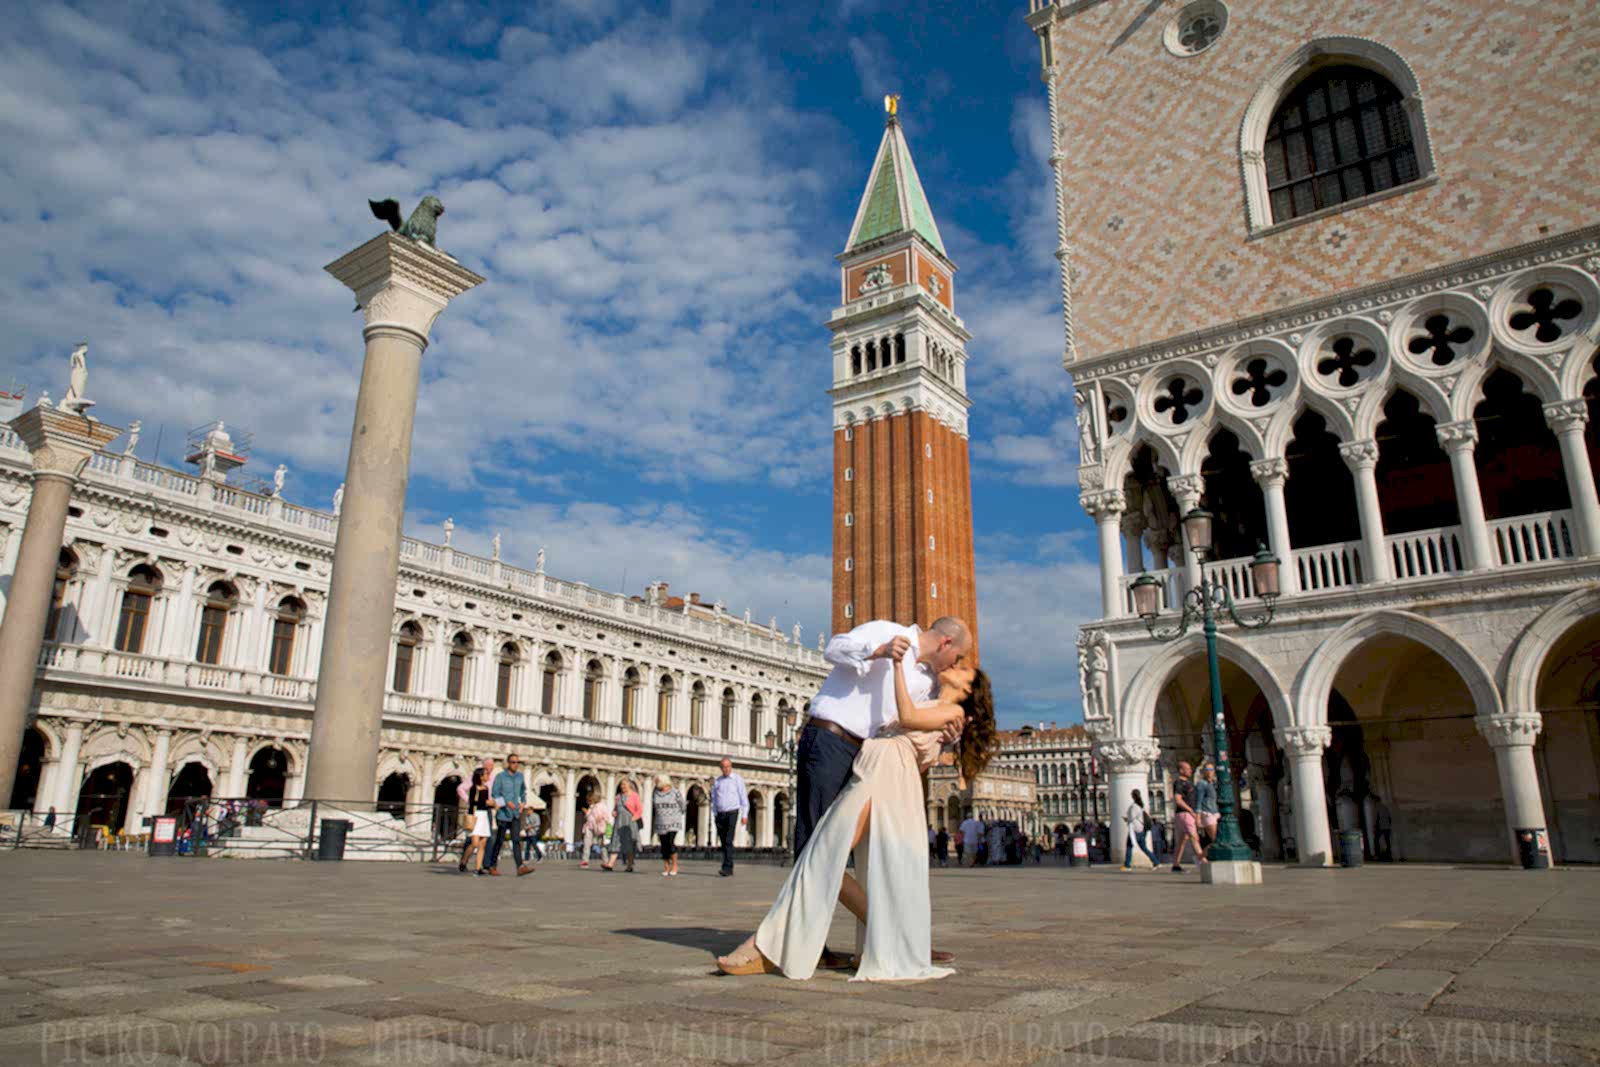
x=181 y=657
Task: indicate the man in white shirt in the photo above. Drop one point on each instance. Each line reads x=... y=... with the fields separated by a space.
x=971 y=835
x=856 y=701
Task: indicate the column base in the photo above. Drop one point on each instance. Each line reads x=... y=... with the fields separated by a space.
x=1231 y=872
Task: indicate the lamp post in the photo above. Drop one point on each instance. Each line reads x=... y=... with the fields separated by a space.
x=786 y=753
x=1206 y=602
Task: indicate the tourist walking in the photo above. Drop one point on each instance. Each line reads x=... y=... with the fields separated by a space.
x=941 y=846
x=50 y=819
x=1205 y=806
x=667 y=808
x=1138 y=831
x=628 y=821
x=971 y=838
x=730 y=807
x=1184 y=799
x=507 y=795
x=464 y=803
x=532 y=827
x=596 y=825
x=478 y=813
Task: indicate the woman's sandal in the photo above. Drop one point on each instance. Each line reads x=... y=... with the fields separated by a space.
x=756 y=964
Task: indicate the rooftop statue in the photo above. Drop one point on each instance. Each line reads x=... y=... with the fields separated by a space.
x=78 y=381
x=423 y=225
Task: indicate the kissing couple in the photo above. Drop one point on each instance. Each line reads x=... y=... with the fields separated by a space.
x=898 y=700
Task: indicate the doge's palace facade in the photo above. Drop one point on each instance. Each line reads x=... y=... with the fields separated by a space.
x=181 y=661
x=1338 y=285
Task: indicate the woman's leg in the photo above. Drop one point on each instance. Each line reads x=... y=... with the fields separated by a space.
x=1144 y=847
x=1127 y=859
x=851 y=895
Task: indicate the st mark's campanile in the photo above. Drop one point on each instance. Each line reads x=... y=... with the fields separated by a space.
x=902 y=499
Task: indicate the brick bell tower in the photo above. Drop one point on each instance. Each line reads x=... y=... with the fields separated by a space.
x=902 y=499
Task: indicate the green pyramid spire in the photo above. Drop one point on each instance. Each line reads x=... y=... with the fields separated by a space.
x=894 y=201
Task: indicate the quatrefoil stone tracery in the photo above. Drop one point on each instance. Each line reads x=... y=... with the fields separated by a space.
x=1178 y=398
x=1259 y=380
x=1350 y=357
x=1441 y=340
x=1543 y=313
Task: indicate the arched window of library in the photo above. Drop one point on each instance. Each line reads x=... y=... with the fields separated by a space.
x=286 y=623
x=757 y=714
x=456 y=677
x=591 y=689
x=221 y=599
x=729 y=701
x=547 y=692
x=405 y=654
x=66 y=572
x=144 y=585
x=632 y=688
x=664 y=695
x=697 y=710
x=505 y=674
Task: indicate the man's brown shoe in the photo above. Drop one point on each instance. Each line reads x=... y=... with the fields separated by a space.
x=524 y=869
x=943 y=957
x=495 y=871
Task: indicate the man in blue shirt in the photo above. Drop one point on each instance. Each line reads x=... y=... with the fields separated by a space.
x=507 y=794
x=730 y=807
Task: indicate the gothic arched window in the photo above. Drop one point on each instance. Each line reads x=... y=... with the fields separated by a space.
x=220 y=602
x=1341 y=134
x=405 y=652
x=286 y=623
x=456 y=679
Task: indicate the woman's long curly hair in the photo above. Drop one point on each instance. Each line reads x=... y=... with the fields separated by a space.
x=978 y=735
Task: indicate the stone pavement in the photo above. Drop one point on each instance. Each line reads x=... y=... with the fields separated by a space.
x=115 y=958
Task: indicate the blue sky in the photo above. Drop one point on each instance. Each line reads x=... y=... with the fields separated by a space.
x=655 y=193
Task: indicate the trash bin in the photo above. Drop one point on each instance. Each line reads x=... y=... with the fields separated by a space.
x=1078 y=851
x=1533 y=848
x=330 y=845
x=163 y=836
x=1349 y=848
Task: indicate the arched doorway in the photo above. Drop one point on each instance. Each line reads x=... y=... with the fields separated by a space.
x=780 y=820
x=1320 y=495
x=30 y=764
x=580 y=804
x=192 y=782
x=1239 y=516
x=1567 y=754
x=1518 y=458
x=392 y=794
x=446 y=807
x=1406 y=753
x=694 y=813
x=1185 y=732
x=268 y=771
x=103 y=800
x=550 y=793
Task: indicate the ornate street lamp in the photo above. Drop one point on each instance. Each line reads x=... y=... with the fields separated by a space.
x=785 y=752
x=1205 y=603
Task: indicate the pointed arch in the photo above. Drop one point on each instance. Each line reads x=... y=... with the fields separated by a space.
x=1136 y=715
x=1428 y=394
x=1315 y=681
x=1534 y=375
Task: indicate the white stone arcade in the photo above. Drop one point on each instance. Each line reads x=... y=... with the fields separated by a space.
x=1422 y=459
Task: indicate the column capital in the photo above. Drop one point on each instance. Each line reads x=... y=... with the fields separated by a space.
x=1360 y=455
x=401 y=284
x=1270 y=472
x=1305 y=740
x=61 y=442
x=1105 y=503
x=1457 y=436
x=1187 y=488
x=1127 y=753
x=1505 y=730
x=1567 y=416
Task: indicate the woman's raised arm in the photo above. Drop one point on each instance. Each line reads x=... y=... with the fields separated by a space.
x=926 y=717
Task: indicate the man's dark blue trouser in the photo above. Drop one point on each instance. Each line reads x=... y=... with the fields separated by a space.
x=727 y=825
x=510 y=828
x=822 y=771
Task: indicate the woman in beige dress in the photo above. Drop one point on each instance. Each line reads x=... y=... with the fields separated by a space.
x=880 y=816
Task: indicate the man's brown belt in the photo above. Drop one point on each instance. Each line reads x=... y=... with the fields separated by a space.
x=836 y=730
